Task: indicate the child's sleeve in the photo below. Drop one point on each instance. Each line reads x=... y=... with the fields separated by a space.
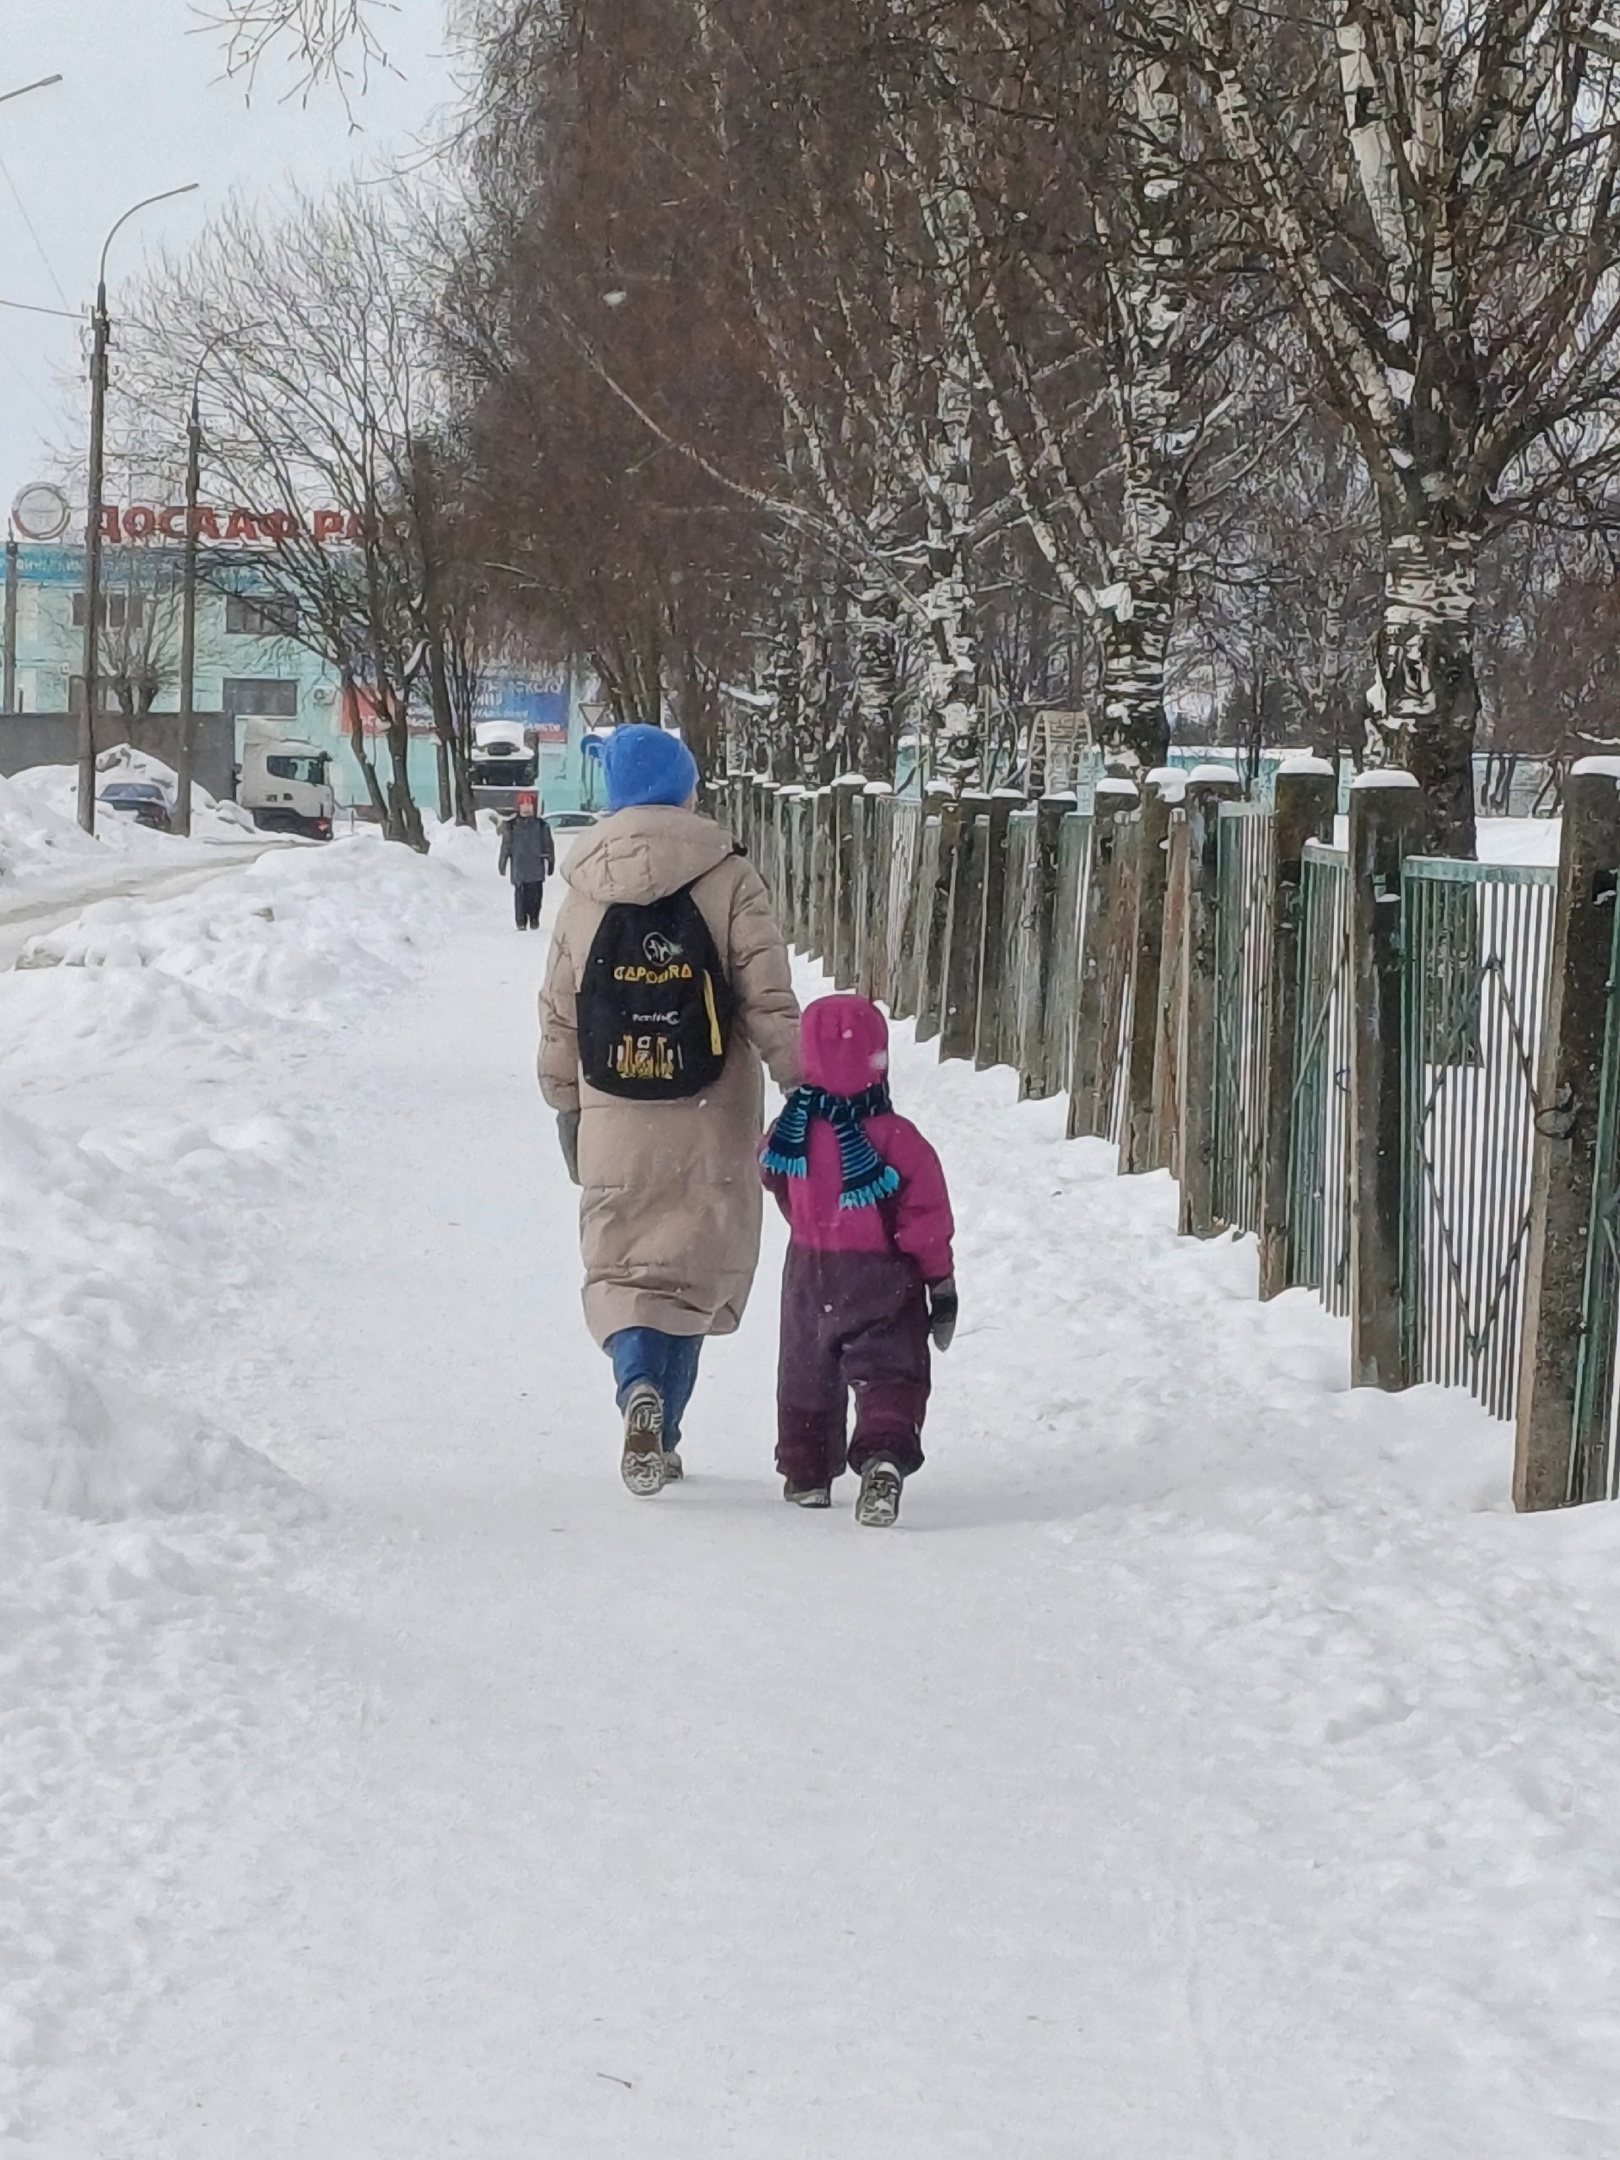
x=773 y=1180
x=922 y=1207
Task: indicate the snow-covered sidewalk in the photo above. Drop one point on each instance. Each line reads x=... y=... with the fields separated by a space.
x=1208 y=1766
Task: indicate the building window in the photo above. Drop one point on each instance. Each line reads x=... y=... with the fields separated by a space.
x=106 y=696
x=119 y=611
x=261 y=617
x=261 y=697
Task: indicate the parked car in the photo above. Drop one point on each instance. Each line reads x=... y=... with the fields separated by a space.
x=569 y=820
x=143 y=800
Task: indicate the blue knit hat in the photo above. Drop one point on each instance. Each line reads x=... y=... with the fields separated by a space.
x=647 y=765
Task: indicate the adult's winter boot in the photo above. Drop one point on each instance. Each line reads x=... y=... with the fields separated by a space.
x=878 y=1502
x=642 y=1463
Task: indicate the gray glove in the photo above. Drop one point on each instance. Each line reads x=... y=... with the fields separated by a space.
x=942 y=1311
x=568 y=1140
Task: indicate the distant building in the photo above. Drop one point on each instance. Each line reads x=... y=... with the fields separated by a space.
x=251 y=664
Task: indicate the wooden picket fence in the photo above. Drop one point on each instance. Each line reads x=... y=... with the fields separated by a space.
x=1400 y=1074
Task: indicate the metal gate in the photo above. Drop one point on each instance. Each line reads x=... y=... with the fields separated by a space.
x=1319 y=1151
x=1477 y=941
x=1243 y=866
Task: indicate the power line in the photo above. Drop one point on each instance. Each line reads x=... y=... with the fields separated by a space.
x=39 y=245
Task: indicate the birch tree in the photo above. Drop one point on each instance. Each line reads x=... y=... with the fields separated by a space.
x=1433 y=187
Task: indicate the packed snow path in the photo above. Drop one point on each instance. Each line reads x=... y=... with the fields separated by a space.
x=1206 y=1769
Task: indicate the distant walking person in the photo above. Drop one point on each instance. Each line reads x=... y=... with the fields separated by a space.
x=668 y=982
x=869 y=1272
x=530 y=854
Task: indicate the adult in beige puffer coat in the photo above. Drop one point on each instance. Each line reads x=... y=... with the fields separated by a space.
x=670 y=1206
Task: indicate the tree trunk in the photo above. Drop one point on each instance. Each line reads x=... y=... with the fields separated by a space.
x=876 y=682
x=362 y=756
x=1425 y=703
x=1148 y=290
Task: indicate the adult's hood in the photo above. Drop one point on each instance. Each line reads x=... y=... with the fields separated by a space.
x=645 y=853
x=845 y=1044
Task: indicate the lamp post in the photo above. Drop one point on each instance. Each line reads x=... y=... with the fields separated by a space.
x=100 y=337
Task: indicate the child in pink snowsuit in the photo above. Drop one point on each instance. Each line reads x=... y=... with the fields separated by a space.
x=869 y=1270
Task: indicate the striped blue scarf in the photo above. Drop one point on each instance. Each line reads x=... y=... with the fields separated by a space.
x=867 y=1178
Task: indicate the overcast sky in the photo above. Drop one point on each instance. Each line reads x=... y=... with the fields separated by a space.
x=142 y=107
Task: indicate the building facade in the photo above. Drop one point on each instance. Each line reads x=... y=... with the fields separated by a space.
x=251 y=664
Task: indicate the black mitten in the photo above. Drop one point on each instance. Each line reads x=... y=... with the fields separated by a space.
x=942 y=1312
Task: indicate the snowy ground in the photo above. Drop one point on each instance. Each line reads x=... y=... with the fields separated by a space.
x=1209 y=1768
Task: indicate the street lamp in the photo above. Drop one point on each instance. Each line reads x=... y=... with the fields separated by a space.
x=44 y=83
x=101 y=331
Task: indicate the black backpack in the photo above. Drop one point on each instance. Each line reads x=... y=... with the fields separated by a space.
x=654 y=1009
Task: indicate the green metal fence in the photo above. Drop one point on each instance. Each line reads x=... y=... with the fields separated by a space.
x=1477 y=942
x=1319 y=1152
x=1594 y=1457
x=1244 y=859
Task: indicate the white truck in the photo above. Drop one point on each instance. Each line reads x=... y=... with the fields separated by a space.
x=286 y=784
x=505 y=763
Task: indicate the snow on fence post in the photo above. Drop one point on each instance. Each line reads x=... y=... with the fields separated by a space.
x=1387 y=822
x=1114 y=800
x=1165 y=787
x=1208 y=786
x=964 y=938
x=846 y=803
x=1037 y=954
x=987 y=1032
x=1305 y=799
x=1567 y=1356
x=936 y=860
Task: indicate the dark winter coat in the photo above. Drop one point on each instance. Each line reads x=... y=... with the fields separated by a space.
x=528 y=850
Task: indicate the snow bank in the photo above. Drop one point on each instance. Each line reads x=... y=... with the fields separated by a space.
x=117 y=1239
x=40 y=839
x=144 y=1171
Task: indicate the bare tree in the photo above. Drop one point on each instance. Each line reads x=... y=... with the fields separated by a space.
x=321 y=392
x=327 y=40
x=1433 y=187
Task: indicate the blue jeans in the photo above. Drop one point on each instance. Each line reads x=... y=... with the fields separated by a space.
x=670 y=1362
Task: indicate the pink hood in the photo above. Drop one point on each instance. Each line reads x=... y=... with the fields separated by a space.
x=845 y=1044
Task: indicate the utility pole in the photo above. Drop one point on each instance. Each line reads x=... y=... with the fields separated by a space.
x=92 y=562
x=8 y=677
x=188 y=622
x=101 y=337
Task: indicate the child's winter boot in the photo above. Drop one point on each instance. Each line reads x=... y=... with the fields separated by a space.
x=810 y=1496
x=877 y=1505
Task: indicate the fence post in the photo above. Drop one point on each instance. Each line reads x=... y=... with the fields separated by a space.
x=1305 y=798
x=934 y=869
x=877 y=886
x=1208 y=786
x=1164 y=1142
x=1035 y=1077
x=992 y=956
x=1563 y=1428
x=1386 y=825
x=1164 y=790
x=1112 y=800
x=840 y=958
x=818 y=928
x=964 y=943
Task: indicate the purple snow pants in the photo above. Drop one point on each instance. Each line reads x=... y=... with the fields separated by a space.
x=852 y=1323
